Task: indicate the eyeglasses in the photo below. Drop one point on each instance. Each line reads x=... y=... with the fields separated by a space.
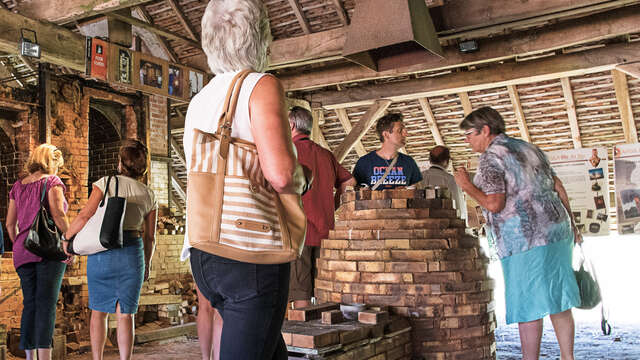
x=469 y=132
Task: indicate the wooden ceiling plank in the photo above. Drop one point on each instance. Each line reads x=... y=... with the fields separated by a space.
x=297 y=11
x=327 y=45
x=341 y=13
x=519 y=113
x=466 y=103
x=431 y=120
x=368 y=119
x=597 y=60
x=154 y=29
x=171 y=54
x=183 y=19
x=343 y=117
x=316 y=131
x=632 y=69
x=571 y=112
x=69 y=11
x=624 y=104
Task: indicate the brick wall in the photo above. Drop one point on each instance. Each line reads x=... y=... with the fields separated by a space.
x=158 y=126
x=166 y=260
x=160 y=181
x=104 y=142
x=9 y=169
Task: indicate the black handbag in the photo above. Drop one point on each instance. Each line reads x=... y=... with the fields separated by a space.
x=43 y=238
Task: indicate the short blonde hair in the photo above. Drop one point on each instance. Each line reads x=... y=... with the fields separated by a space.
x=235 y=35
x=46 y=158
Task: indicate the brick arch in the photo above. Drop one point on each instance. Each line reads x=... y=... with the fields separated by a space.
x=104 y=142
x=9 y=171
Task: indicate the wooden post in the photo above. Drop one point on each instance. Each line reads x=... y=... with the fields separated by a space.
x=361 y=128
x=571 y=112
x=44 y=85
x=431 y=120
x=624 y=104
x=343 y=117
x=517 y=109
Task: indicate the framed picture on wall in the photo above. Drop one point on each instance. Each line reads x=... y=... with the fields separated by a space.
x=124 y=62
x=150 y=74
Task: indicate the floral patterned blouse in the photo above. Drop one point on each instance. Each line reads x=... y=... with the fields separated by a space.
x=533 y=214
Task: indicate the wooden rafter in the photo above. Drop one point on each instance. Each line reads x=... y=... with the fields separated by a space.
x=519 y=114
x=624 y=104
x=632 y=69
x=431 y=120
x=361 y=128
x=597 y=60
x=154 y=29
x=69 y=11
x=297 y=11
x=183 y=19
x=343 y=117
x=144 y=14
x=341 y=13
x=466 y=103
x=316 y=132
x=327 y=46
x=571 y=112
x=178 y=150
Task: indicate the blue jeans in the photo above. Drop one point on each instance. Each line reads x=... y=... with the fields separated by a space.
x=40 y=284
x=252 y=301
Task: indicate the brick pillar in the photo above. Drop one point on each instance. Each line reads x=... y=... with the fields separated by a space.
x=159 y=146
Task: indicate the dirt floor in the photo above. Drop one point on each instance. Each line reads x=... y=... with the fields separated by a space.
x=622 y=344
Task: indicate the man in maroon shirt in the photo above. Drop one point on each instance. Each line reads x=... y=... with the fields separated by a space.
x=319 y=202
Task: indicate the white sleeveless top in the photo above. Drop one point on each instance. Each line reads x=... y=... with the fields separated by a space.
x=204 y=112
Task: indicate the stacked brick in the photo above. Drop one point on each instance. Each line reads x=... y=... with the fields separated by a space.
x=406 y=249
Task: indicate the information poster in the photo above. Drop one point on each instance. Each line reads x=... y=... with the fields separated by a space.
x=97 y=58
x=626 y=168
x=584 y=174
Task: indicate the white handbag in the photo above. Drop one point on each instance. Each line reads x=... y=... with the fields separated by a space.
x=103 y=231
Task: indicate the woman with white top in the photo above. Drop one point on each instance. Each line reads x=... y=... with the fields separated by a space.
x=250 y=298
x=115 y=276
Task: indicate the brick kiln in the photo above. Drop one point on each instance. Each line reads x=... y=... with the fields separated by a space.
x=406 y=249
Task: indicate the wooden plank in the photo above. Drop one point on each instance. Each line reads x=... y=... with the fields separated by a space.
x=297 y=11
x=58 y=45
x=144 y=14
x=44 y=122
x=361 y=128
x=602 y=59
x=624 y=104
x=519 y=113
x=178 y=185
x=328 y=45
x=431 y=120
x=188 y=329
x=120 y=32
x=340 y=11
x=178 y=150
x=466 y=103
x=183 y=20
x=159 y=299
x=67 y=11
x=632 y=69
x=343 y=117
x=316 y=132
x=154 y=29
x=571 y=112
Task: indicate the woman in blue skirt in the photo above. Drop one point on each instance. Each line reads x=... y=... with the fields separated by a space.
x=529 y=221
x=115 y=276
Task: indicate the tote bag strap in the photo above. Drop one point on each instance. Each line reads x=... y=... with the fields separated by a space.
x=228 y=113
x=44 y=191
x=106 y=189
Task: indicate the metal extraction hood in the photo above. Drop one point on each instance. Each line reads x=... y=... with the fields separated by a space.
x=390 y=34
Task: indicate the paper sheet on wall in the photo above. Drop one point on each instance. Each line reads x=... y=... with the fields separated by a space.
x=626 y=165
x=584 y=174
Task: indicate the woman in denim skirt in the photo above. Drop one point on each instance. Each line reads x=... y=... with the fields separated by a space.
x=115 y=276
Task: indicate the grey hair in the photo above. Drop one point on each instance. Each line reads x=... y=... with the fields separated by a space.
x=235 y=35
x=486 y=115
x=302 y=119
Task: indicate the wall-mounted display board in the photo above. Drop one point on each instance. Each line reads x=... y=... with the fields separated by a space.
x=143 y=72
x=584 y=175
x=626 y=169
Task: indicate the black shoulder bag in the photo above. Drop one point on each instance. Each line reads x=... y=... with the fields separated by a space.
x=43 y=238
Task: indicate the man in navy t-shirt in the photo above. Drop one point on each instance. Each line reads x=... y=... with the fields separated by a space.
x=371 y=167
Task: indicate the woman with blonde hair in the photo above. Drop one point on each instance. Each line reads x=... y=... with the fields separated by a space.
x=115 y=276
x=40 y=279
x=251 y=298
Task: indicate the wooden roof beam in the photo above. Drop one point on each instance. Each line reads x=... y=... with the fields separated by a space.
x=154 y=29
x=431 y=120
x=68 y=11
x=571 y=112
x=466 y=103
x=297 y=11
x=183 y=20
x=555 y=67
x=343 y=117
x=632 y=69
x=517 y=109
x=368 y=119
x=327 y=46
x=144 y=14
x=316 y=132
x=624 y=104
x=341 y=13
